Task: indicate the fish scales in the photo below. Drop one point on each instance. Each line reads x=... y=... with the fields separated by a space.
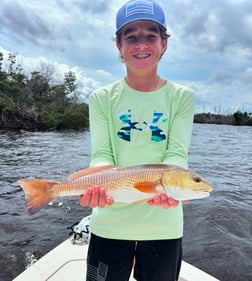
x=123 y=178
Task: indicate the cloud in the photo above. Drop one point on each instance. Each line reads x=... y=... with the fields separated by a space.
x=224 y=92
x=98 y=7
x=23 y=23
x=214 y=27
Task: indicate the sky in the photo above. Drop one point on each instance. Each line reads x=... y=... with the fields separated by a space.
x=210 y=49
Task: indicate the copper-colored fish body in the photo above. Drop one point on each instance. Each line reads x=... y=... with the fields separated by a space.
x=124 y=184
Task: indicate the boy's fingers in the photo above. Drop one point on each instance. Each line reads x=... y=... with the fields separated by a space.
x=95 y=197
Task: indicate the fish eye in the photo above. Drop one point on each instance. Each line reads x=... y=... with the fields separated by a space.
x=197 y=179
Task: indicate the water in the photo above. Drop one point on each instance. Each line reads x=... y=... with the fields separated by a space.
x=218 y=229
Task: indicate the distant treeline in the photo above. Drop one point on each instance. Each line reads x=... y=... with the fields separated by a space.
x=33 y=102
x=237 y=118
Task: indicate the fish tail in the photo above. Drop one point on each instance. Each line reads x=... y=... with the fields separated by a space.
x=38 y=193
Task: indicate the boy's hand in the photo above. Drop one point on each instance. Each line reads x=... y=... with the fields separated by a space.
x=162 y=200
x=95 y=197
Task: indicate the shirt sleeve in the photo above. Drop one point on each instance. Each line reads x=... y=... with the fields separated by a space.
x=180 y=130
x=101 y=149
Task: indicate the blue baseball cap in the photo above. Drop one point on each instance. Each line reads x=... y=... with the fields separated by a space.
x=135 y=10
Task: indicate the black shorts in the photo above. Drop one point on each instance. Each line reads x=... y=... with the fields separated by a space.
x=154 y=260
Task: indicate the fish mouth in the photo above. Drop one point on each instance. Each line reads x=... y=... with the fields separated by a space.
x=206 y=190
x=187 y=194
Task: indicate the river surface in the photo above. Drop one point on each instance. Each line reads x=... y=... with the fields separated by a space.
x=218 y=229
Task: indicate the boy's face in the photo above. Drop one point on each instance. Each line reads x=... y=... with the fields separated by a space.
x=141 y=45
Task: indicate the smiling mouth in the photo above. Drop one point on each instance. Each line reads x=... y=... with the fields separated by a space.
x=141 y=56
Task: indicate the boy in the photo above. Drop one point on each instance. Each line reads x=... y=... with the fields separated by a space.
x=140 y=119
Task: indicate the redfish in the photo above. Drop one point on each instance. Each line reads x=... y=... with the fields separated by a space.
x=124 y=184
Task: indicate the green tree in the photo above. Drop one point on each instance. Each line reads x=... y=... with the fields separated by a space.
x=39 y=89
x=71 y=86
x=241 y=118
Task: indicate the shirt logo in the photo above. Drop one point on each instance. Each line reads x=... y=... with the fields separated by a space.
x=157 y=134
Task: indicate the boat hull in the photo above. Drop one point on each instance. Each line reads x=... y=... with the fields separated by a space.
x=68 y=262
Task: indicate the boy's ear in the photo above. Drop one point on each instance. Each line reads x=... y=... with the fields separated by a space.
x=118 y=45
x=164 y=44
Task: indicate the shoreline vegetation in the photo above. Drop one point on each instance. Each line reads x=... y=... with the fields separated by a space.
x=33 y=102
x=238 y=118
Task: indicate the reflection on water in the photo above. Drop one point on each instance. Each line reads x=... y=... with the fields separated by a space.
x=218 y=229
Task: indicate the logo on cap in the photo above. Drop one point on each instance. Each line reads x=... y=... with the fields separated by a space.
x=138 y=7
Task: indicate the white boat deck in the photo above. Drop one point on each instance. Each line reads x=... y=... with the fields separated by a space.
x=68 y=262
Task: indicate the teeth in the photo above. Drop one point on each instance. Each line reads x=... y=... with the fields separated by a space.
x=141 y=56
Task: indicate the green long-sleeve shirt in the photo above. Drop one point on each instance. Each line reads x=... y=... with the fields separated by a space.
x=129 y=127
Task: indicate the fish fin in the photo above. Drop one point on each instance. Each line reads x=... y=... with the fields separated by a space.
x=88 y=171
x=38 y=193
x=146 y=186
